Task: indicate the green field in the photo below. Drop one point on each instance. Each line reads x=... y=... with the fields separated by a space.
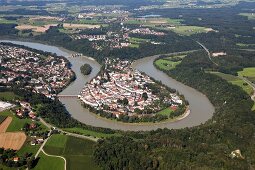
x=46 y=162
x=166 y=64
x=247 y=72
x=188 y=30
x=165 y=112
x=56 y=144
x=236 y=81
x=8 y=96
x=78 y=152
x=89 y=132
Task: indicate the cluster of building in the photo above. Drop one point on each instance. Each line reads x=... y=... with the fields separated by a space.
x=122 y=90
x=89 y=37
x=146 y=31
x=42 y=74
x=26 y=111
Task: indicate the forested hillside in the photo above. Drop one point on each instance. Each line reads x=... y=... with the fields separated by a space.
x=204 y=147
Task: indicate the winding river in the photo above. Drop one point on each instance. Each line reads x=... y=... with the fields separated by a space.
x=200 y=107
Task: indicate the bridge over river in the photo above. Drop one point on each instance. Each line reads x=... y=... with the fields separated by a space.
x=67 y=96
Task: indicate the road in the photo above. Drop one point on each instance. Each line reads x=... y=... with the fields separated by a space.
x=69 y=133
x=251 y=84
x=208 y=52
x=44 y=142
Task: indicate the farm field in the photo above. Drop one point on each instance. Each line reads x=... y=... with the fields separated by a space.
x=46 y=162
x=78 y=152
x=5 y=123
x=80 y=26
x=190 y=30
x=39 y=29
x=12 y=140
x=154 y=21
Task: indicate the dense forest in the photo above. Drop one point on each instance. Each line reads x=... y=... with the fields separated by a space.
x=207 y=146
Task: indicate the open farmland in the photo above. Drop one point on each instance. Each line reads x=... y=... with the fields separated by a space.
x=79 y=26
x=4 y=125
x=190 y=30
x=12 y=140
x=39 y=29
x=78 y=152
x=51 y=163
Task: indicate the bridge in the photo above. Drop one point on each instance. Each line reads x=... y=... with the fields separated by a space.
x=67 y=96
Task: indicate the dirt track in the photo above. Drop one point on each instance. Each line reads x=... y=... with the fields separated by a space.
x=12 y=140
x=4 y=125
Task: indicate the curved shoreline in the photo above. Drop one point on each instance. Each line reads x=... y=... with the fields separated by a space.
x=200 y=107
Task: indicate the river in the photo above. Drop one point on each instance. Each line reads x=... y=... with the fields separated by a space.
x=200 y=107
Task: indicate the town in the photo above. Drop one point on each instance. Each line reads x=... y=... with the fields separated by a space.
x=42 y=74
x=121 y=90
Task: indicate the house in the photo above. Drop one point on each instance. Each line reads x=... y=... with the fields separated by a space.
x=16 y=159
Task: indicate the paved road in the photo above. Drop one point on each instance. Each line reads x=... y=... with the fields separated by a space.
x=56 y=157
x=208 y=52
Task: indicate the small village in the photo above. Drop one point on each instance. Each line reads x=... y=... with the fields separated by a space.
x=43 y=74
x=121 y=90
